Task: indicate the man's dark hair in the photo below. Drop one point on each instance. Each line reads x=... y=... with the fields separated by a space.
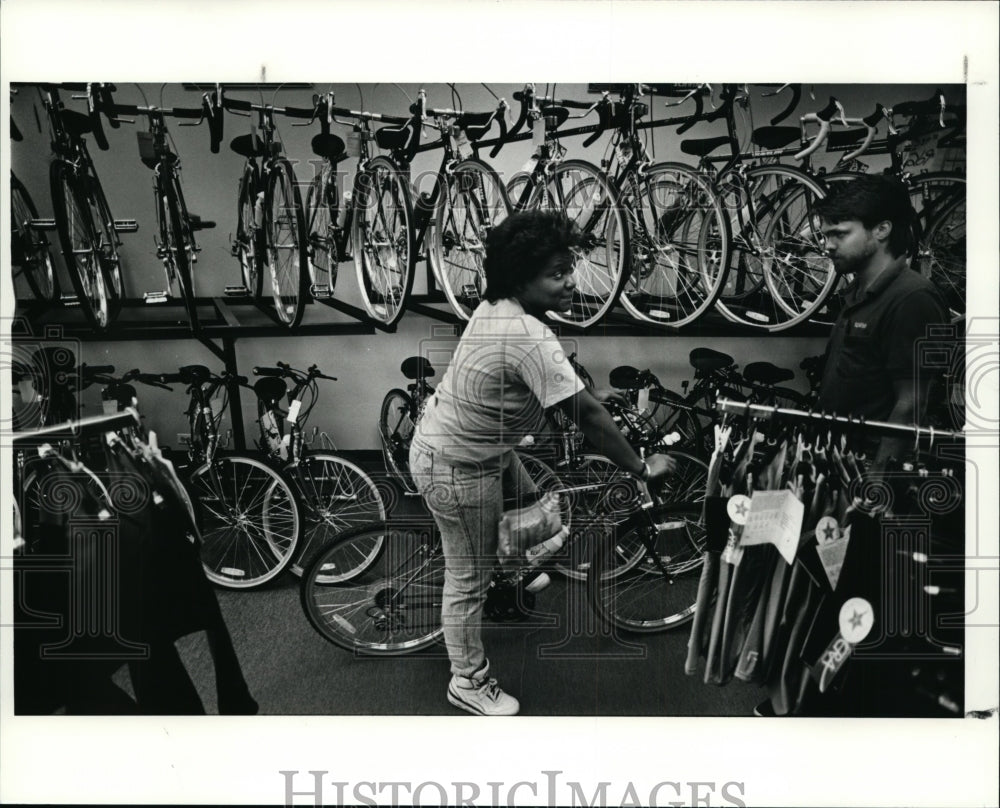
x=870 y=199
x=520 y=246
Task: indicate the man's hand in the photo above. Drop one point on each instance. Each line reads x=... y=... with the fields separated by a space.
x=608 y=395
x=660 y=465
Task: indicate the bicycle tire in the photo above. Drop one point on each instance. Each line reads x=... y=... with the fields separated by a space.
x=111 y=259
x=943 y=255
x=321 y=217
x=395 y=428
x=641 y=599
x=286 y=244
x=798 y=277
x=33 y=248
x=247 y=247
x=581 y=191
x=394 y=606
x=516 y=189
x=237 y=553
x=335 y=496
x=383 y=240
x=473 y=201
x=79 y=247
x=679 y=239
x=179 y=243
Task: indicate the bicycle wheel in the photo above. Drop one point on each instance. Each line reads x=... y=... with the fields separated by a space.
x=516 y=190
x=30 y=249
x=942 y=255
x=672 y=416
x=658 y=593
x=80 y=246
x=679 y=237
x=286 y=244
x=246 y=247
x=584 y=194
x=321 y=217
x=473 y=202
x=335 y=496
x=383 y=240
x=687 y=482
x=395 y=428
x=178 y=243
x=107 y=236
x=545 y=480
x=394 y=606
x=248 y=518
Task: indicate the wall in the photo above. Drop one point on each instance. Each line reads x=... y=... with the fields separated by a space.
x=366 y=366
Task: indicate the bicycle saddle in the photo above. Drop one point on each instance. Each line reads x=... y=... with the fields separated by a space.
x=270 y=389
x=394 y=137
x=76 y=123
x=766 y=373
x=247 y=146
x=329 y=146
x=775 y=137
x=624 y=377
x=123 y=394
x=702 y=146
x=195 y=374
x=706 y=359
x=845 y=137
x=416 y=367
x=475 y=124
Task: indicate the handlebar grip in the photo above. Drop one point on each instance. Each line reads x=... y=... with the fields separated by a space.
x=170 y=378
x=796 y=95
x=518 y=95
x=826 y=114
x=931 y=105
x=593 y=137
x=697 y=116
x=258 y=371
x=186 y=112
x=237 y=104
x=97 y=129
x=875 y=117
x=122 y=109
x=299 y=112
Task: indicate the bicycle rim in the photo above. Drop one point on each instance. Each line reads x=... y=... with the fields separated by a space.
x=383 y=240
x=320 y=219
x=335 y=496
x=679 y=238
x=248 y=519
x=943 y=256
x=37 y=266
x=394 y=606
x=643 y=599
x=179 y=243
x=395 y=429
x=582 y=192
x=286 y=244
x=246 y=248
x=474 y=202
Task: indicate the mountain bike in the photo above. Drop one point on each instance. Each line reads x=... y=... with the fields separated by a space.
x=334 y=494
x=651 y=560
x=176 y=246
x=88 y=233
x=270 y=223
x=247 y=512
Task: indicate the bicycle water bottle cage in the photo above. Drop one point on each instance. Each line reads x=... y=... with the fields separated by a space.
x=624 y=377
x=702 y=147
x=416 y=367
x=707 y=360
x=475 y=124
x=394 y=137
x=329 y=146
x=766 y=373
x=775 y=137
x=270 y=390
x=247 y=146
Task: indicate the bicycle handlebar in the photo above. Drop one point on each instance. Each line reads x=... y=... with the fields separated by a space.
x=935 y=103
x=796 y=96
x=285 y=370
x=823 y=118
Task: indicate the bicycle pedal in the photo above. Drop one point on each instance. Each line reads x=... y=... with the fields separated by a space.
x=42 y=224
x=236 y=291
x=126 y=225
x=155 y=297
x=321 y=291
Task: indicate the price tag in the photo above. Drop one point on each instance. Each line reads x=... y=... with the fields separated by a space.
x=831 y=555
x=538 y=133
x=353 y=145
x=856 y=620
x=293 y=411
x=775 y=518
x=109 y=407
x=642 y=402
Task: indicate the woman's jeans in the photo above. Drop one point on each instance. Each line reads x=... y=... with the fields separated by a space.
x=467 y=502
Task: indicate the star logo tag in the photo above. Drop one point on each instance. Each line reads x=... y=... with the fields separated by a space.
x=738 y=508
x=827 y=530
x=856 y=620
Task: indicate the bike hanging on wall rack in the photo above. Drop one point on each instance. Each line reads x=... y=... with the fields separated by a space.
x=270 y=222
x=88 y=233
x=176 y=246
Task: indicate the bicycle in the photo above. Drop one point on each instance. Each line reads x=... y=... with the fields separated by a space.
x=398 y=416
x=333 y=493
x=176 y=247
x=247 y=513
x=394 y=607
x=88 y=233
x=270 y=222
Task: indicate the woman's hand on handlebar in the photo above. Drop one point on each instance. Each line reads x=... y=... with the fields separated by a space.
x=607 y=395
x=660 y=465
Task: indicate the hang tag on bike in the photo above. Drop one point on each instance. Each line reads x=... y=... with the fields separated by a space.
x=538 y=133
x=642 y=400
x=293 y=411
x=109 y=407
x=775 y=518
x=353 y=145
x=26 y=388
x=461 y=145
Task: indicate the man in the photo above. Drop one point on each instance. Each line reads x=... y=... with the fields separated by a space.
x=871 y=365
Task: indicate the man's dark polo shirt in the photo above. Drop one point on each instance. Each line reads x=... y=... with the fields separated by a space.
x=874 y=342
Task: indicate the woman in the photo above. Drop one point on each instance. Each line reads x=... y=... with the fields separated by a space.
x=507 y=369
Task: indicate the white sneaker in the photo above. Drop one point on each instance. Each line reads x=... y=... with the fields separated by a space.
x=481 y=695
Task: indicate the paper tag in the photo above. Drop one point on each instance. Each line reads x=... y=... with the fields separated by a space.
x=538 y=132
x=109 y=407
x=353 y=145
x=27 y=389
x=775 y=518
x=642 y=402
x=827 y=530
x=461 y=145
x=832 y=557
x=738 y=508
x=293 y=410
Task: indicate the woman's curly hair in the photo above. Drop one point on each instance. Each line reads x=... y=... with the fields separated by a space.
x=521 y=246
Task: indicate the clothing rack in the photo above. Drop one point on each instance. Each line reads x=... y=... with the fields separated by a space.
x=763 y=411
x=128 y=417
